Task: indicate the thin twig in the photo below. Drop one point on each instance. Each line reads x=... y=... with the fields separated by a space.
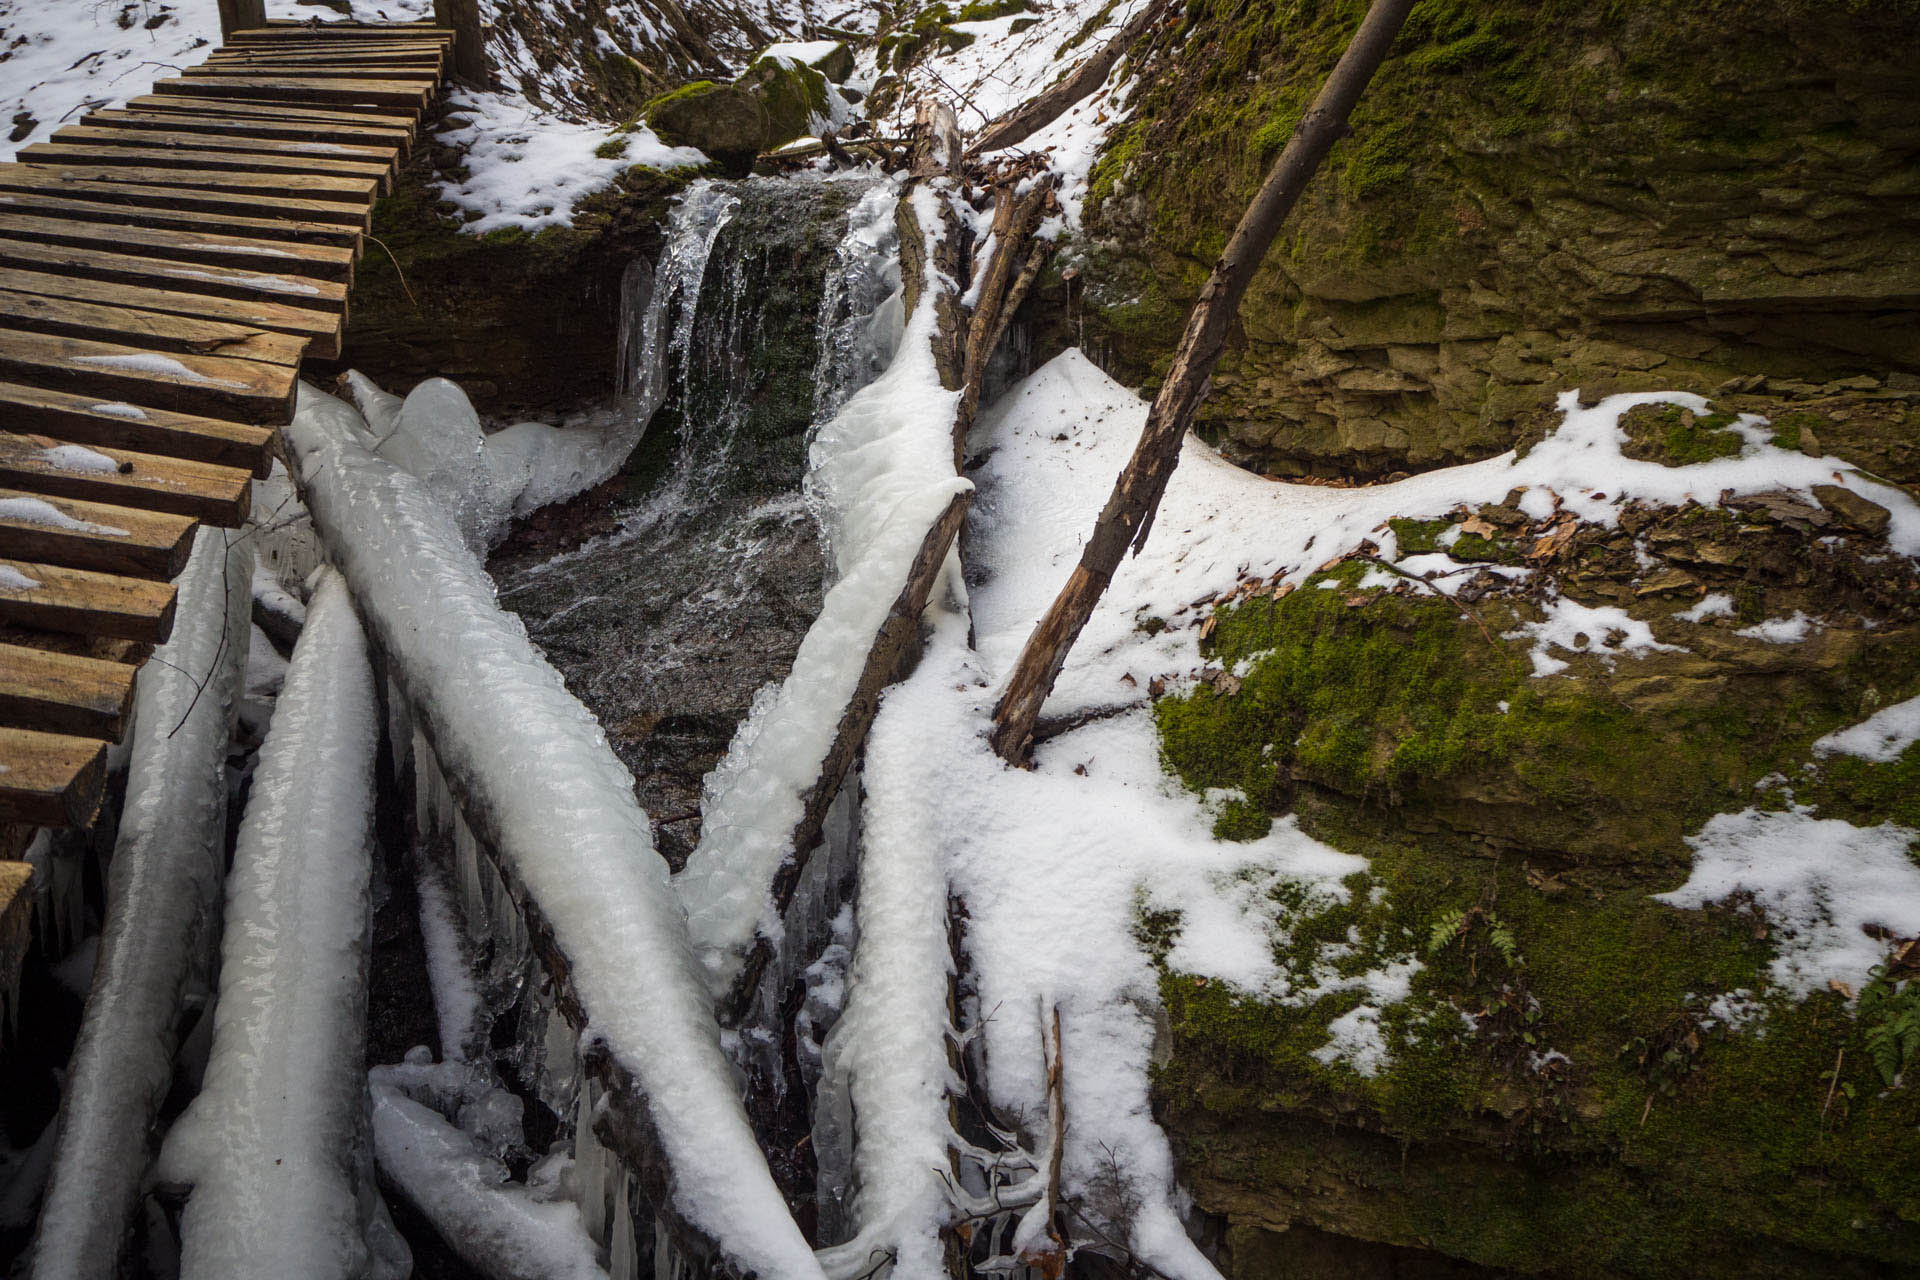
x=396 y=267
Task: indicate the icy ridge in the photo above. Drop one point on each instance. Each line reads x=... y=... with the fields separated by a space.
x=563 y=817
x=267 y=1146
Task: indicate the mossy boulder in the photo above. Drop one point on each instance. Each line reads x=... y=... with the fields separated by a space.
x=791 y=96
x=1584 y=1081
x=724 y=120
x=1612 y=197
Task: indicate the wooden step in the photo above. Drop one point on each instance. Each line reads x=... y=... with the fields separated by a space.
x=261 y=70
x=326 y=262
x=110 y=426
x=108 y=152
x=198 y=224
x=301 y=33
x=256 y=392
x=152 y=330
x=185 y=277
x=244 y=129
x=64 y=693
x=93 y=535
x=321 y=329
x=50 y=780
x=366 y=61
x=80 y=602
x=214 y=495
x=120 y=186
x=358 y=192
x=386 y=157
x=236 y=111
x=375 y=97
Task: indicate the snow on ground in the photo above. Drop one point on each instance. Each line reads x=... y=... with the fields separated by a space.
x=1002 y=69
x=357 y=10
x=64 y=58
x=526 y=167
x=1821 y=883
x=1881 y=738
x=1605 y=630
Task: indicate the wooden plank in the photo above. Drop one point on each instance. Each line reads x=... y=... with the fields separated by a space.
x=162 y=273
x=50 y=780
x=64 y=692
x=248 y=127
x=150 y=330
x=106 y=424
x=320 y=328
x=80 y=602
x=259 y=392
x=326 y=262
x=375 y=97
x=354 y=191
x=94 y=535
x=235 y=110
x=336 y=71
x=120 y=187
x=318 y=147
x=369 y=63
x=118 y=213
x=301 y=33
x=218 y=163
x=215 y=495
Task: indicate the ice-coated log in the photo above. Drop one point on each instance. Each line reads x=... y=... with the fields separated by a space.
x=163 y=890
x=268 y=1146
x=555 y=808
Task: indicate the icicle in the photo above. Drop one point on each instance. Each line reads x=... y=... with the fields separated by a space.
x=562 y=816
x=268 y=1145
x=162 y=888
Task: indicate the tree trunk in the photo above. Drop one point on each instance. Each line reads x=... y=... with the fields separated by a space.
x=1037 y=113
x=1128 y=516
x=241 y=15
x=469 y=42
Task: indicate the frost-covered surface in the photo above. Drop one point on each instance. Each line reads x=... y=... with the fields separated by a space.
x=39 y=511
x=526 y=167
x=562 y=816
x=456 y=996
x=1820 y=883
x=1792 y=629
x=357 y=10
x=1881 y=738
x=883 y=470
x=268 y=1145
x=77 y=457
x=162 y=888
x=68 y=57
x=11 y=579
x=504 y=1230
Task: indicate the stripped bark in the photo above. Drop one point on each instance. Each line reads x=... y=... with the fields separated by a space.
x=1128 y=517
x=1037 y=113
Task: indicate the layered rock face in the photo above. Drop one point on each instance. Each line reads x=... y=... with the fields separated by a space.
x=1612 y=197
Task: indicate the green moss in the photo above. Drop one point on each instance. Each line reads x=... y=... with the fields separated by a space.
x=1242 y=820
x=613 y=148
x=686 y=92
x=986 y=10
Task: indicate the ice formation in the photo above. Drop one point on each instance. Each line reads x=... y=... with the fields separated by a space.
x=267 y=1147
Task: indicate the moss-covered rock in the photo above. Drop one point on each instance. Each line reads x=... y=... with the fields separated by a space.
x=726 y=121
x=1536 y=197
x=791 y=97
x=1583 y=1081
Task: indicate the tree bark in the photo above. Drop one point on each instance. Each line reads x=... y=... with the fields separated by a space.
x=1037 y=113
x=469 y=41
x=241 y=15
x=1128 y=516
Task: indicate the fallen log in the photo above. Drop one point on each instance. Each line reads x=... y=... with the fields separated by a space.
x=1036 y=113
x=1128 y=517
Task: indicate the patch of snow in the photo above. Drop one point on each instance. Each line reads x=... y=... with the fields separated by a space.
x=1715 y=605
x=77 y=457
x=1790 y=630
x=526 y=168
x=1820 y=882
x=1881 y=738
x=1602 y=630
x=251 y=279
x=41 y=512
x=456 y=995
x=1355 y=1037
x=11 y=579
x=154 y=363
x=806 y=53
x=120 y=409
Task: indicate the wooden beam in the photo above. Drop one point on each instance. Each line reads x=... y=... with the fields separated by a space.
x=353 y=190
x=64 y=208
x=182 y=277
x=153 y=330
x=262 y=164
x=50 y=597
x=50 y=780
x=321 y=328
x=102 y=423
x=248 y=127
x=264 y=70
x=64 y=692
x=122 y=188
x=374 y=97
x=384 y=157
x=258 y=392
x=235 y=109
x=241 y=15
x=300 y=33
x=325 y=262
x=215 y=495
x=93 y=535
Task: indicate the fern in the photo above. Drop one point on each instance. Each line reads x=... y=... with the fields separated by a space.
x=1448 y=926
x=1892 y=1013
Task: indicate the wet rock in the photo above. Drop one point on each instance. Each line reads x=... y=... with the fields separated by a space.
x=1863 y=515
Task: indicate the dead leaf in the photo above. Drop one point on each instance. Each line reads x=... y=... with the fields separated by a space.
x=1554 y=541
x=1478 y=527
x=1357 y=599
x=1207 y=625
x=1226 y=684
x=1834 y=984
x=1080 y=769
x=1156 y=687
x=1128 y=680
